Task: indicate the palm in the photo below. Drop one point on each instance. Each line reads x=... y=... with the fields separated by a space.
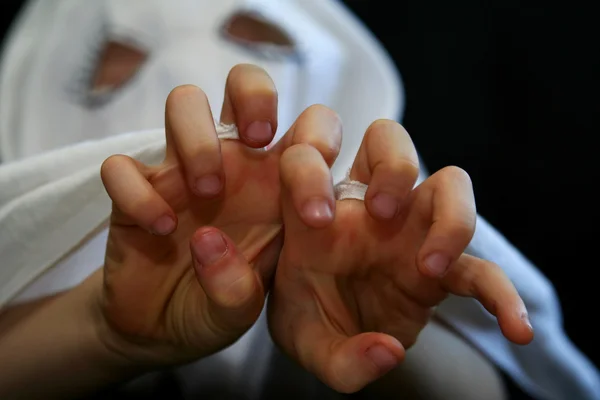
x=349 y=298
x=361 y=272
x=165 y=298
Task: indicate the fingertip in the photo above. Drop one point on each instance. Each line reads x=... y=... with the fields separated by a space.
x=222 y=271
x=383 y=206
x=208 y=186
x=317 y=212
x=307 y=181
x=517 y=328
x=208 y=246
x=317 y=126
x=258 y=134
x=363 y=359
x=385 y=355
x=251 y=102
x=435 y=264
x=164 y=225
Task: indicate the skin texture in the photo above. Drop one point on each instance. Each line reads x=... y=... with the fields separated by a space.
x=356 y=281
x=349 y=298
x=194 y=242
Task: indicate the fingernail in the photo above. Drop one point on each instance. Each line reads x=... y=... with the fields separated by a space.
x=525 y=318
x=163 y=226
x=384 y=359
x=209 y=248
x=259 y=131
x=209 y=185
x=317 y=210
x=384 y=205
x=437 y=264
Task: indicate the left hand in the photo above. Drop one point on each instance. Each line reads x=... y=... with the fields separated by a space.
x=193 y=241
x=348 y=299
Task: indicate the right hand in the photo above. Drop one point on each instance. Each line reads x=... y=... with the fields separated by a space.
x=349 y=298
x=193 y=242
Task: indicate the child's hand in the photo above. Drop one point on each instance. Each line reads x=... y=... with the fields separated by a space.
x=348 y=299
x=193 y=242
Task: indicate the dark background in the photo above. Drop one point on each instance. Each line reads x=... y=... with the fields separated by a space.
x=510 y=92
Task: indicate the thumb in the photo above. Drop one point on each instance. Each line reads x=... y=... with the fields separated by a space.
x=346 y=364
x=233 y=289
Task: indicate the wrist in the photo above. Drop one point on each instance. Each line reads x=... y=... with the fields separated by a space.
x=55 y=349
x=110 y=347
x=133 y=355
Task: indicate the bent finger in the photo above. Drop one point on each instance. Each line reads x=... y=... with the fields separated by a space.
x=251 y=103
x=234 y=291
x=135 y=200
x=446 y=199
x=192 y=139
x=319 y=127
x=346 y=364
x=485 y=281
x=308 y=185
x=386 y=161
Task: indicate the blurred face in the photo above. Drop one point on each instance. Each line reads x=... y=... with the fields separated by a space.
x=78 y=70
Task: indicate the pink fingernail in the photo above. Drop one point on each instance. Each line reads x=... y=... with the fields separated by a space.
x=525 y=318
x=163 y=226
x=209 y=248
x=437 y=264
x=259 y=131
x=209 y=185
x=384 y=359
x=317 y=210
x=384 y=205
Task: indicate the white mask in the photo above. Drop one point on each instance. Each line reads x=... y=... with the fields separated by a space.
x=42 y=103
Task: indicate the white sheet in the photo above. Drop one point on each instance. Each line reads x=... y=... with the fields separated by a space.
x=53 y=209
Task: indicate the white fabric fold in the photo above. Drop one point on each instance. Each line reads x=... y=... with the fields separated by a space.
x=53 y=207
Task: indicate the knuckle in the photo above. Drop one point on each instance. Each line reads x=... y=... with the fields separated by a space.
x=327 y=137
x=322 y=111
x=388 y=126
x=262 y=97
x=239 y=70
x=469 y=279
x=381 y=123
x=112 y=165
x=246 y=82
x=296 y=163
x=183 y=93
x=240 y=292
x=455 y=173
x=464 y=229
x=404 y=166
x=134 y=207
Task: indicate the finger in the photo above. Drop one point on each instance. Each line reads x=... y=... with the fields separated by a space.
x=485 y=281
x=319 y=127
x=235 y=293
x=192 y=139
x=251 y=103
x=346 y=364
x=308 y=185
x=386 y=161
x=135 y=200
x=448 y=201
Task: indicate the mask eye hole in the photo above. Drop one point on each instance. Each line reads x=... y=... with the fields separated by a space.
x=110 y=68
x=254 y=32
x=118 y=63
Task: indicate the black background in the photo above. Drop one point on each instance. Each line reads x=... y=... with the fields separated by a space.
x=509 y=91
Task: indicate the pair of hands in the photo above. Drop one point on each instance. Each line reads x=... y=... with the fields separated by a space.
x=196 y=242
